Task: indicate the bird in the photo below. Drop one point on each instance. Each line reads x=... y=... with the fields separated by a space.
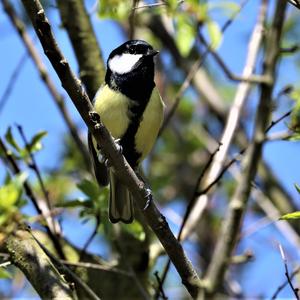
x=131 y=108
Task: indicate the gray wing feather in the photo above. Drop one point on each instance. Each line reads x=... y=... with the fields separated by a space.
x=120 y=204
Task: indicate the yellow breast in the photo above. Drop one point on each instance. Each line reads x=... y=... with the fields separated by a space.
x=113 y=110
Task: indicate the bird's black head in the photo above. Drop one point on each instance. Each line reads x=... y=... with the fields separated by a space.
x=130 y=56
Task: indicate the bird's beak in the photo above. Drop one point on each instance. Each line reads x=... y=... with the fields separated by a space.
x=152 y=52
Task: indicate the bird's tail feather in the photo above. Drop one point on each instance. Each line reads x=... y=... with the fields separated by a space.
x=120 y=204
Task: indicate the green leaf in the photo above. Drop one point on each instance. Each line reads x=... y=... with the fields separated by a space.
x=295 y=116
x=115 y=9
x=135 y=229
x=295 y=137
x=291 y=216
x=185 y=34
x=10 y=139
x=172 y=5
x=89 y=188
x=215 y=34
x=10 y=193
x=4 y=274
x=35 y=143
x=297 y=186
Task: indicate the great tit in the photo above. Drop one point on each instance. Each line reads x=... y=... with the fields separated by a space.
x=132 y=110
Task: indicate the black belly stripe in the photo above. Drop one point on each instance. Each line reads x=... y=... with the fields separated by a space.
x=128 y=139
x=137 y=86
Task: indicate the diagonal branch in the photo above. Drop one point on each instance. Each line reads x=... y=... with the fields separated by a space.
x=28 y=256
x=296 y=3
x=82 y=36
x=248 y=78
x=137 y=188
x=65 y=270
x=54 y=226
x=12 y=80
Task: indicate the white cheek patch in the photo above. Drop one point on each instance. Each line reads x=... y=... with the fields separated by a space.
x=124 y=63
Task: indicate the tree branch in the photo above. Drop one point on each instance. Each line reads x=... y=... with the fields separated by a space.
x=237 y=206
x=137 y=188
x=296 y=3
x=66 y=271
x=12 y=80
x=233 y=119
x=247 y=78
x=76 y=20
x=27 y=255
x=54 y=226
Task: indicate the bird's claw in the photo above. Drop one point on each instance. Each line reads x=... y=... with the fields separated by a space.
x=94 y=116
x=148 y=199
x=118 y=145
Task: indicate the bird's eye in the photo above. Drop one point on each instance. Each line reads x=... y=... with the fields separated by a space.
x=131 y=50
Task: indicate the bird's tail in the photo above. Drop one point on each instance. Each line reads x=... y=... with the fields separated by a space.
x=120 y=203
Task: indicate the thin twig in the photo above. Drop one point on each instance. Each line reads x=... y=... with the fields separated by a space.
x=274 y=122
x=90 y=239
x=188 y=210
x=192 y=201
x=290 y=50
x=33 y=165
x=287 y=275
x=12 y=80
x=252 y=78
x=5 y=264
x=160 y=286
x=283 y=285
x=88 y=265
x=237 y=157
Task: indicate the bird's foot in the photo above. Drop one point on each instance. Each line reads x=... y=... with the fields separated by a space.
x=94 y=116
